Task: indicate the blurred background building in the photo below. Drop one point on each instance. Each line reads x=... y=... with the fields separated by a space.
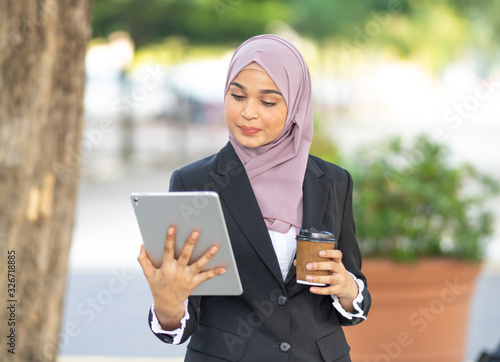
x=154 y=102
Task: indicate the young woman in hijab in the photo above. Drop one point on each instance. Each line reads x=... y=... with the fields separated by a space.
x=269 y=188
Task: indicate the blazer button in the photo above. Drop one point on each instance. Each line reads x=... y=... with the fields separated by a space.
x=281 y=300
x=284 y=347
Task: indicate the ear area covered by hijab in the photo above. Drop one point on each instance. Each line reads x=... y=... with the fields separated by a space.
x=276 y=170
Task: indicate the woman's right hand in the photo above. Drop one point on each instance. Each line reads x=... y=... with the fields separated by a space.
x=175 y=280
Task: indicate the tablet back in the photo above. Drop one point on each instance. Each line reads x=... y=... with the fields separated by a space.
x=188 y=211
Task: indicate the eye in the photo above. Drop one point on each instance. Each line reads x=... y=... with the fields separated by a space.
x=268 y=104
x=237 y=97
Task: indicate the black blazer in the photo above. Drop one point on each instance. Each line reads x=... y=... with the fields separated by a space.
x=273 y=320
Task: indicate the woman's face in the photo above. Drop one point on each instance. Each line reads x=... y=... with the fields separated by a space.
x=255 y=110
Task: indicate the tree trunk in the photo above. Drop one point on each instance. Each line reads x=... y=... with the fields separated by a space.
x=42 y=78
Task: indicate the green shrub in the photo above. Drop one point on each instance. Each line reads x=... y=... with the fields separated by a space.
x=411 y=201
x=322 y=146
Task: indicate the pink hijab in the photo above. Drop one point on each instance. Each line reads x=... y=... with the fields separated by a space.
x=276 y=170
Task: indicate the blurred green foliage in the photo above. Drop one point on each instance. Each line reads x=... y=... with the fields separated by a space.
x=322 y=146
x=410 y=201
x=326 y=19
x=198 y=21
x=433 y=32
x=442 y=26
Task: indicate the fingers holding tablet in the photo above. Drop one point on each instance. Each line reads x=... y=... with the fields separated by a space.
x=176 y=272
x=199 y=265
x=187 y=245
x=185 y=256
x=147 y=266
x=169 y=247
x=188 y=248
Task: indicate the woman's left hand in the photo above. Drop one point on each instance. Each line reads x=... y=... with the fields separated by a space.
x=338 y=281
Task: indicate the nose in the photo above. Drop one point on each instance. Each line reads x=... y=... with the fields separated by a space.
x=249 y=111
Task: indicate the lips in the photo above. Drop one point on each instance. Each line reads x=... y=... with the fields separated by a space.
x=249 y=130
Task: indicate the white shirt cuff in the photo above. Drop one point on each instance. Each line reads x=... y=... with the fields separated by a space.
x=358 y=312
x=176 y=333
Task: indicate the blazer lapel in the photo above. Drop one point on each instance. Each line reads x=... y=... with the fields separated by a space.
x=316 y=190
x=232 y=182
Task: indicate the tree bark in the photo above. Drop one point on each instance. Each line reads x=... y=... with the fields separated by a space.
x=42 y=78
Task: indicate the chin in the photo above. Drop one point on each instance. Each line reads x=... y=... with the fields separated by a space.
x=249 y=144
x=241 y=139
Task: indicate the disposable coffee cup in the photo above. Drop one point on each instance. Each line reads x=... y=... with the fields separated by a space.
x=309 y=243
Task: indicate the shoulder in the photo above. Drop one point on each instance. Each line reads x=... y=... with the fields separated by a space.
x=198 y=167
x=194 y=176
x=330 y=170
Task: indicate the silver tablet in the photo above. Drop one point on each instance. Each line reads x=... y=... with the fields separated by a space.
x=200 y=210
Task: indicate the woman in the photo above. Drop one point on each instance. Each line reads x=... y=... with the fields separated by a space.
x=269 y=188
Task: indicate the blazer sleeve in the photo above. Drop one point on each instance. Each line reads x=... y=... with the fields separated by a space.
x=351 y=254
x=176 y=184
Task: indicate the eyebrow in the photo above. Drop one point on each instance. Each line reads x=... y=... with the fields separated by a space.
x=263 y=91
